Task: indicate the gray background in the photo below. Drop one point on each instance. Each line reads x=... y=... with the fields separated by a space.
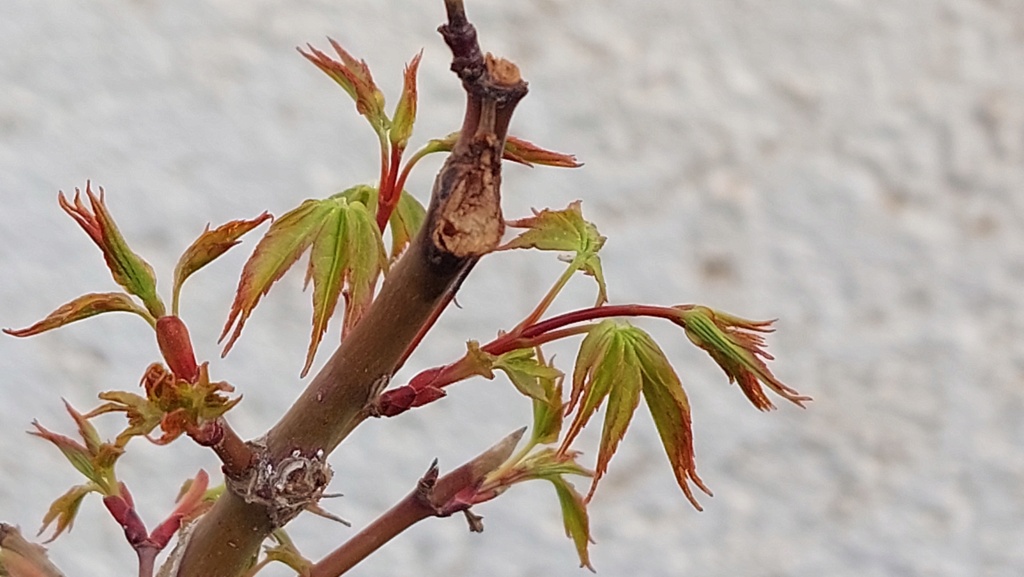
x=852 y=168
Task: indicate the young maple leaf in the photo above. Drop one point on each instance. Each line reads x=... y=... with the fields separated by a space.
x=355 y=78
x=618 y=362
x=286 y=240
x=564 y=231
x=81 y=308
x=737 y=345
x=210 y=245
x=127 y=268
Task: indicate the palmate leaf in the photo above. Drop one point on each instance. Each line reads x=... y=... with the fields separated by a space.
x=620 y=362
x=210 y=245
x=288 y=237
x=81 y=308
x=348 y=254
x=670 y=409
x=564 y=231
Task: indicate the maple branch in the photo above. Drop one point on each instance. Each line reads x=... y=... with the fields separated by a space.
x=463 y=222
x=433 y=496
x=21 y=557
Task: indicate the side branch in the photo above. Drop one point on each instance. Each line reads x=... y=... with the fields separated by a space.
x=433 y=497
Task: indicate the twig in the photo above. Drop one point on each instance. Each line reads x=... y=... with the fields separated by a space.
x=428 y=499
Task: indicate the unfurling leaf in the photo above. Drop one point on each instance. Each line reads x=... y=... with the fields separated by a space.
x=354 y=76
x=670 y=409
x=288 y=237
x=564 y=231
x=127 y=268
x=348 y=254
x=737 y=345
x=405 y=112
x=526 y=372
x=210 y=245
x=64 y=509
x=95 y=460
x=84 y=307
x=575 y=519
x=405 y=222
x=528 y=153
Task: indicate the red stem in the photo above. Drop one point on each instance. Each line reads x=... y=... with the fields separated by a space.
x=388 y=196
x=557 y=327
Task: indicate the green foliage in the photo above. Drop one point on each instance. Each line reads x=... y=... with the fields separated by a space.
x=564 y=231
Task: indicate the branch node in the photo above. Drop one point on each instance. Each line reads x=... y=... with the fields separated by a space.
x=284 y=488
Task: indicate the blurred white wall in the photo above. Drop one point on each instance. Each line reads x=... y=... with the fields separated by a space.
x=853 y=168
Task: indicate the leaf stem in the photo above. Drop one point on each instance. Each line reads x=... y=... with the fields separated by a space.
x=549 y=298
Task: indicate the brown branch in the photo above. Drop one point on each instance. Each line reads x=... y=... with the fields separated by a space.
x=428 y=499
x=463 y=222
x=21 y=557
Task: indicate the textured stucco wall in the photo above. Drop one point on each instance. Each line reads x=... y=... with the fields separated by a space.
x=853 y=168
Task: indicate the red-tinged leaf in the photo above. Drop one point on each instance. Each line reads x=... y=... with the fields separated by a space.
x=210 y=245
x=85 y=429
x=528 y=153
x=564 y=231
x=327 y=264
x=405 y=111
x=575 y=519
x=355 y=78
x=670 y=409
x=84 y=307
x=597 y=379
x=73 y=451
x=737 y=345
x=367 y=257
x=625 y=382
x=63 y=511
x=348 y=253
x=405 y=222
x=526 y=371
x=288 y=237
x=592 y=349
x=128 y=269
